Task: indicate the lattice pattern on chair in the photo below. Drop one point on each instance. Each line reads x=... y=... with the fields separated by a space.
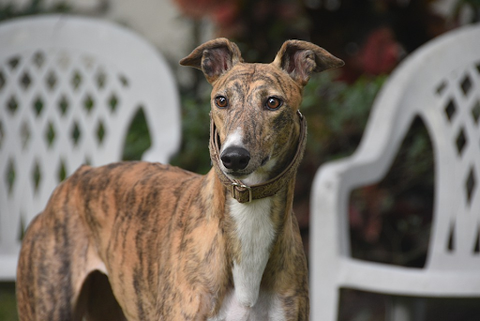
x=459 y=97
x=61 y=108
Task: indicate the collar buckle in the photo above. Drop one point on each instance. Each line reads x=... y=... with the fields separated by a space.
x=234 y=191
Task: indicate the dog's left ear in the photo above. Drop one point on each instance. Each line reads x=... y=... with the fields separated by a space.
x=301 y=58
x=214 y=58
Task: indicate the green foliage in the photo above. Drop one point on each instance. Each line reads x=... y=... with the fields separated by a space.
x=138 y=138
x=337 y=114
x=193 y=153
x=394 y=215
x=8 y=310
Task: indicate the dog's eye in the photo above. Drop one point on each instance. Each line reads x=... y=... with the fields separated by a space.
x=221 y=101
x=273 y=103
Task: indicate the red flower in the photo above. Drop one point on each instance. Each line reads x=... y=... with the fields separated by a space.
x=225 y=13
x=381 y=52
x=198 y=8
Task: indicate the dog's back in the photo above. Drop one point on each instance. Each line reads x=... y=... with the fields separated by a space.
x=127 y=218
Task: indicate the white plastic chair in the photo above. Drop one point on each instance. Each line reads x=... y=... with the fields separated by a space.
x=440 y=83
x=69 y=88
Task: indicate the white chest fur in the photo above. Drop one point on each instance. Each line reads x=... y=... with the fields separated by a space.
x=267 y=307
x=255 y=232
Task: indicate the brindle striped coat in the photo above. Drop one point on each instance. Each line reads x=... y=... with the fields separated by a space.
x=145 y=241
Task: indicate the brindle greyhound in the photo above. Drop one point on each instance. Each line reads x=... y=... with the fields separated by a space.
x=143 y=241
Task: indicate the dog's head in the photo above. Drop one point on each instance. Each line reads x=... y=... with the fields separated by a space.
x=254 y=106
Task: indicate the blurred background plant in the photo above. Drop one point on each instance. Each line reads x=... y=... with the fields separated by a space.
x=389 y=221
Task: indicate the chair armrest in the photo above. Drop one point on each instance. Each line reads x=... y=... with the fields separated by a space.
x=330 y=199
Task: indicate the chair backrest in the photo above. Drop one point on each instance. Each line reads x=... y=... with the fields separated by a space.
x=69 y=88
x=440 y=83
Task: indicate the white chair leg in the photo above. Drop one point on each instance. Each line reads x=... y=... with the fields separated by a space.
x=328 y=310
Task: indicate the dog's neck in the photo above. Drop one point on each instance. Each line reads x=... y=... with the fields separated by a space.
x=255 y=232
x=254 y=229
x=257 y=228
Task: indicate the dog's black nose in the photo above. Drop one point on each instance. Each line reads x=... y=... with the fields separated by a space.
x=235 y=158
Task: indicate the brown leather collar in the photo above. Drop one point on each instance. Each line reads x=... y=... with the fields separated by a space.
x=243 y=193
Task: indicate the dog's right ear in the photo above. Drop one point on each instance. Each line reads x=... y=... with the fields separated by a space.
x=214 y=58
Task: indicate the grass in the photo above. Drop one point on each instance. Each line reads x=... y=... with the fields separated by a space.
x=8 y=305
